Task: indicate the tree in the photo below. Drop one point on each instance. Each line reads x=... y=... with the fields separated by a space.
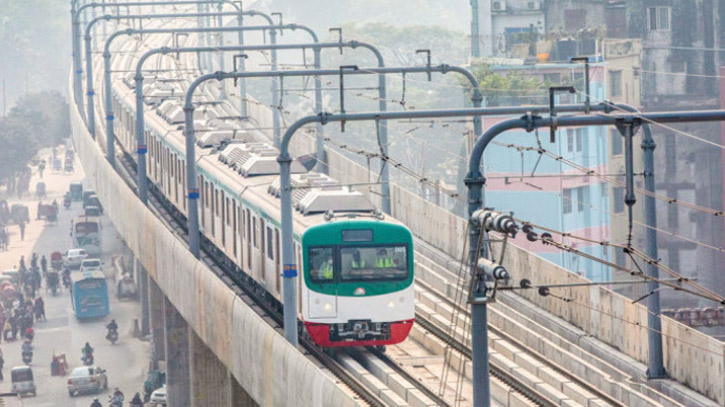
x=510 y=88
x=46 y=114
x=18 y=147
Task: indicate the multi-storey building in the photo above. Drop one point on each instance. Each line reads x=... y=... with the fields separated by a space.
x=550 y=192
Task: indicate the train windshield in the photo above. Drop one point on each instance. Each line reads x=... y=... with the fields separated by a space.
x=322 y=260
x=367 y=263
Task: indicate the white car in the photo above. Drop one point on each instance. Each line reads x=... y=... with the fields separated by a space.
x=74 y=258
x=87 y=379
x=91 y=265
x=158 y=397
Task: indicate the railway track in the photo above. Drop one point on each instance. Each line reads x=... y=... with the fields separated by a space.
x=249 y=294
x=498 y=371
x=253 y=295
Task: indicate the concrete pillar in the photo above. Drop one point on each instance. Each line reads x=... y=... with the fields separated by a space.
x=210 y=379
x=143 y=281
x=177 y=357
x=240 y=397
x=156 y=322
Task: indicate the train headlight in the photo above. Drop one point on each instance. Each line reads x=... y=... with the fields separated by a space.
x=328 y=306
x=391 y=304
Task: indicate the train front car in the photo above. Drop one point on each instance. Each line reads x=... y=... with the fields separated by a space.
x=358 y=282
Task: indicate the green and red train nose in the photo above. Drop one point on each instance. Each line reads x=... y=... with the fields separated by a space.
x=359 y=333
x=358 y=277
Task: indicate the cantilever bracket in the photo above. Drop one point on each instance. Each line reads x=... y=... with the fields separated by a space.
x=427 y=52
x=342 y=91
x=552 y=109
x=338 y=30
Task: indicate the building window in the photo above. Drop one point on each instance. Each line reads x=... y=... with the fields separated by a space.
x=617 y=142
x=615 y=84
x=570 y=140
x=583 y=198
x=658 y=18
x=618 y=196
x=579 y=139
x=567 y=200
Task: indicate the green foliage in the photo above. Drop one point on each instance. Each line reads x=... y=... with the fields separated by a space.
x=46 y=115
x=38 y=120
x=18 y=147
x=508 y=88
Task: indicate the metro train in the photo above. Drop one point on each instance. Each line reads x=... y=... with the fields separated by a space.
x=357 y=269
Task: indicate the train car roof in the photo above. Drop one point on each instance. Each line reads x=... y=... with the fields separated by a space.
x=253 y=190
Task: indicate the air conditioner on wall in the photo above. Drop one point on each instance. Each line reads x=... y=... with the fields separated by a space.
x=533 y=5
x=499 y=5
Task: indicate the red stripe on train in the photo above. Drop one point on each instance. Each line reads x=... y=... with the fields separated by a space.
x=320 y=334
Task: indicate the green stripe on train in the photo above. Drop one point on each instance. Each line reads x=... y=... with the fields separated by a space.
x=385 y=235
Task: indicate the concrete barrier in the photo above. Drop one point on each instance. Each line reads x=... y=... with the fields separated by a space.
x=270 y=370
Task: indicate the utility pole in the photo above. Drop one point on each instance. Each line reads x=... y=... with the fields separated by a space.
x=475 y=34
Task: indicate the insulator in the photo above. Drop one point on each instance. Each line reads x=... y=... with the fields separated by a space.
x=493 y=270
x=496 y=221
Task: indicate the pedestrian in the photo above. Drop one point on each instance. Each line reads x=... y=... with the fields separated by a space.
x=44 y=266
x=40 y=309
x=38 y=279
x=14 y=327
x=21 y=225
x=40 y=205
x=22 y=264
x=2 y=363
x=7 y=330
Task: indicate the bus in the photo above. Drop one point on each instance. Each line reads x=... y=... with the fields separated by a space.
x=89 y=294
x=87 y=234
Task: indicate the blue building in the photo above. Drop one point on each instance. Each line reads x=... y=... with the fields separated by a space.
x=549 y=192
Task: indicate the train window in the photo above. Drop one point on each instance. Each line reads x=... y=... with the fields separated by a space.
x=229 y=215
x=249 y=232
x=216 y=202
x=322 y=259
x=206 y=193
x=235 y=230
x=276 y=254
x=389 y=262
x=270 y=252
x=254 y=232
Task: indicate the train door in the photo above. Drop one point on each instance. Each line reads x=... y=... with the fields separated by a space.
x=262 y=252
x=248 y=220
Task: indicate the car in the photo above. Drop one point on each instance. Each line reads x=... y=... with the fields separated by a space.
x=88 y=265
x=86 y=379
x=92 y=211
x=74 y=258
x=87 y=194
x=57 y=165
x=159 y=396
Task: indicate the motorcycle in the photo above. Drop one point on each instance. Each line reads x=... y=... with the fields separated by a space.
x=87 y=359
x=66 y=202
x=112 y=336
x=114 y=401
x=27 y=353
x=66 y=279
x=27 y=357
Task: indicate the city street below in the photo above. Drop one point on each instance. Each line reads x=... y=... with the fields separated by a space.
x=62 y=333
